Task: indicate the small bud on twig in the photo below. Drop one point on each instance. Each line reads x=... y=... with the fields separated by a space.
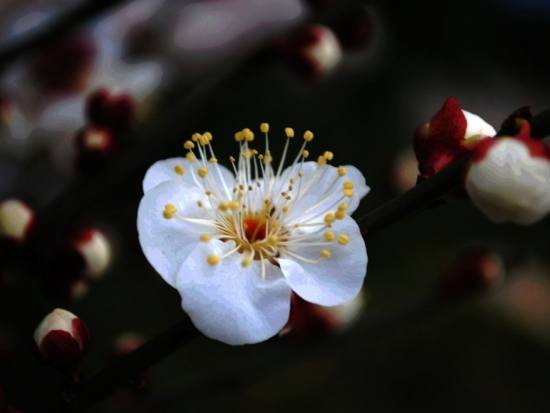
x=62 y=338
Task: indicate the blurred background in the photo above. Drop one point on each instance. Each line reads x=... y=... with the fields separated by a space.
x=83 y=117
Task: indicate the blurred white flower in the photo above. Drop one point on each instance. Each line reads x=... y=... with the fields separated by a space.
x=236 y=245
x=50 y=89
x=16 y=219
x=509 y=180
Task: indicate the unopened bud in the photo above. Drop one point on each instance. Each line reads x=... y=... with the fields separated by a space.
x=451 y=133
x=313 y=50
x=509 y=180
x=62 y=338
x=95 y=248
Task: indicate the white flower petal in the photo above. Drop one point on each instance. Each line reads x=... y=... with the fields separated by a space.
x=334 y=280
x=167 y=243
x=477 y=126
x=230 y=303
x=163 y=171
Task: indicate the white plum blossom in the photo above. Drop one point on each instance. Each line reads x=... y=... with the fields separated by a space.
x=236 y=244
x=509 y=180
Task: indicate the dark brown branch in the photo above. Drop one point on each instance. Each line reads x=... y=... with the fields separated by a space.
x=62 y=23
x=123 y=371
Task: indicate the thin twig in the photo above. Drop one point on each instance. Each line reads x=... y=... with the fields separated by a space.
x=62 y=23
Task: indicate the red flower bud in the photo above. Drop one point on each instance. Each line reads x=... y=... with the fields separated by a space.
x=108 y=110
x=451 y=133
x=313 y=50
x=62 y=338
x=474 y=270
x=312 y=319
x=95 y=249
x=65 y=66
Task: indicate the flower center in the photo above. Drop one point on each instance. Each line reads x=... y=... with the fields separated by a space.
x=255 y=229
x=261 y=210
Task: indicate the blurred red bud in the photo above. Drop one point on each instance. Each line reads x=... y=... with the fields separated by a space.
x=307 y=319
x=405 y=171
x=65 y=66
x=355 y=29
x=62 y=338
x=109 y=110
x=126 y=343
x=312 y=50
x=95 y=248
x=475 y=270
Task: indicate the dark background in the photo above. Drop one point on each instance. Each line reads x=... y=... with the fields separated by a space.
x=488 y=354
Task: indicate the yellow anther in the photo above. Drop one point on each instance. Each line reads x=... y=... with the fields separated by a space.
x=248 y=135
x=203 y=140
x=203 y=171
x=289 y=132
x=231 y=159
x=179 y=169
x=308 y=136
x=343 y=206
x=199 y=204
x=343 y=239
x=169 y=211
x=264 y=127
x=208 y=193
x=213 y=160
x=188 y=145
x=340 y=214
x=305 y=153
x=348 y=185
x=329 y=236
x=239 y=136
x=285 y=209
x=234 y=205
x=223 y=206
x=205 y=237
x=348 y=192
x=208 y=136
x=325 y=253
x=329 y=218
x=328 y=155
x=213 y=259
x=321 y=160
x=190 y=156
x=196 y=137
x=342 y=171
